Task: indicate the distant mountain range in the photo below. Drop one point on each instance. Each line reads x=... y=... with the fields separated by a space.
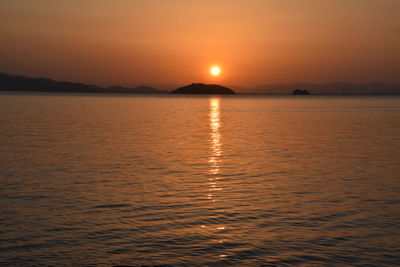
x=329 y=88
x=21 y=83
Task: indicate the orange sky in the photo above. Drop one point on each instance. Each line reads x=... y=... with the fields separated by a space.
x=130 y=42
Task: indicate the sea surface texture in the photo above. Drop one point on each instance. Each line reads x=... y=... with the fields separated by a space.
x=199 y=181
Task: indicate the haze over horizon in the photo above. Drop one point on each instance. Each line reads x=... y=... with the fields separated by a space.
x=176 y=42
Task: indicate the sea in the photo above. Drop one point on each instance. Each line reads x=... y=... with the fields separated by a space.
x=179 y=180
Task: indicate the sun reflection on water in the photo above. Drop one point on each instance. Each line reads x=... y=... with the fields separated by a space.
x=215 y=158
x=216 y=146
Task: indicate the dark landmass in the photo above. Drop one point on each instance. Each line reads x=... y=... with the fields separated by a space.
x=335 y=88
x=200 y=88
x=28 y=84
x=300 y=92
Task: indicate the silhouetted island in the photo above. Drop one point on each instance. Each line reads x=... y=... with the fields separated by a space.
x=200 y=88
x=21 y=83
x=301 y=92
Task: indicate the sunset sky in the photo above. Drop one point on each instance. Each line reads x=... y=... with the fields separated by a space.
x=130 y=42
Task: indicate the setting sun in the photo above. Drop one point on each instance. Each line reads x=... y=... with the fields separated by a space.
x=215 y=70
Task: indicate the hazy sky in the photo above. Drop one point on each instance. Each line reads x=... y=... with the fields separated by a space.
x=132 y=42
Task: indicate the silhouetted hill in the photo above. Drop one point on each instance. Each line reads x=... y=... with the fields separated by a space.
x=200 y=88
x=300 y=92
x=22 y=83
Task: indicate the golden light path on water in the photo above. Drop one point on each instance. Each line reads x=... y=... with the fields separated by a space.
x=215 y=146
x=216 y=152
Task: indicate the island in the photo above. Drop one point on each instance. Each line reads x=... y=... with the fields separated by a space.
x=200 y=88
x=301 y=92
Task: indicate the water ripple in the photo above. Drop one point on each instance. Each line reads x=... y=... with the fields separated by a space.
x=185 y=181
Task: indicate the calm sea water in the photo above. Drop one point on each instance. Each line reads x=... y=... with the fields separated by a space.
x=180 y=180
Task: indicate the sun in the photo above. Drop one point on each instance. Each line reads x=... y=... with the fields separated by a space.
x=215 y=70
